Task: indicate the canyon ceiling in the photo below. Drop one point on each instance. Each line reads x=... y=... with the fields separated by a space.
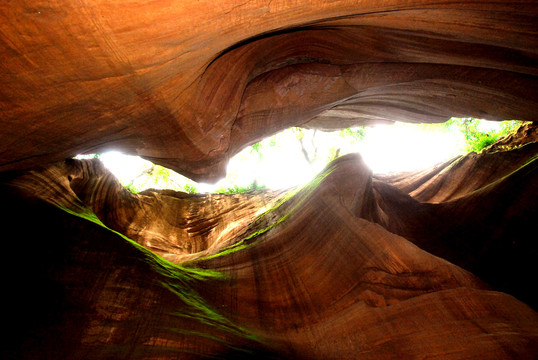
x=437 y=263
x=187 y=84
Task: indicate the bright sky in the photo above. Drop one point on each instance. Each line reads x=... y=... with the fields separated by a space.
x=405 y=147
x=385 y=149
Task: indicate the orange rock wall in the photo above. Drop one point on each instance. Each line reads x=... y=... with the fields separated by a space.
x=187 y=84
x=436 y=264
x=345 y=267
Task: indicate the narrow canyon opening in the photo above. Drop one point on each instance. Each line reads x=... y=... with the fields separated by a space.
x=329 y=252
x=296 y=155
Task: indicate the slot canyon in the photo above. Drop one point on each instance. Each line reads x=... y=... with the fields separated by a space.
x=436 y=263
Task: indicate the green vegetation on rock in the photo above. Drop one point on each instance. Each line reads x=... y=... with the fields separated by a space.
x=283 y=209
x=477 y=138
x=159 y=177
x=236 y=189
x=306 y=151
x=180 y=281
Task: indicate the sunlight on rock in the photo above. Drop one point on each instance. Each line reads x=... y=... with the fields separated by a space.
x=294 y=156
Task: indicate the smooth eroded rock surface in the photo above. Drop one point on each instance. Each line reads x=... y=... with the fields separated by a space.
x=347 y=266
x=187 y=84
x=433 y=264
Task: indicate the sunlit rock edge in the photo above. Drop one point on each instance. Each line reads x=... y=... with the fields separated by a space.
x=326 y=270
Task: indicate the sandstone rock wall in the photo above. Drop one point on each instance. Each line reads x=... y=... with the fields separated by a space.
x=347 y=266
x=435 y=264
x=188 y=84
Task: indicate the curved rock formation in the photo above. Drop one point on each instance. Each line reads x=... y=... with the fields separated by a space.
x=435 y=264
x=331 y=270
x=188 y=84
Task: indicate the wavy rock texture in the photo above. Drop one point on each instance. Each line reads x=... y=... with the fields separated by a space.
x=187 y=84
x=172 y=224
x=348 y=266
x=434 y=264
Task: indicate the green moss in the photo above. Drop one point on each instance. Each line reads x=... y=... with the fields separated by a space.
x=236 y=189
x=527 y=163
x=163 y=266
x=293 y=199
x=506 y=177
x=179 y=280
x=199 y=310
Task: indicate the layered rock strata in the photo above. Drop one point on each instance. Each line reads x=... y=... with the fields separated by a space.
x=348 y=266
x=188 y=84
x=432 y=264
